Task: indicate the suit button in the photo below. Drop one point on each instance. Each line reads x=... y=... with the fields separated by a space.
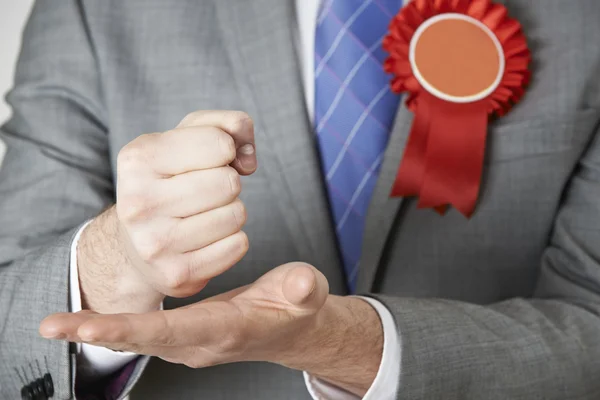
x=27 y=393
x=39 y=392
x=48 y=385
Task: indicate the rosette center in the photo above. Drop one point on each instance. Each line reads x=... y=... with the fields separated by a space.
x=457 y=58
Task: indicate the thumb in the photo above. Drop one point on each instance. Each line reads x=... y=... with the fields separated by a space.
x=305 y=286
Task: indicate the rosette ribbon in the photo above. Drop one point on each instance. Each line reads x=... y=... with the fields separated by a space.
x=444 y=155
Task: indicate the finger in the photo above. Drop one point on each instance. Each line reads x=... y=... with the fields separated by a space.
x=116 y=330
x=236 y=123
x=239 y=125
x=305 y=287
x=198 y=191
x=173 y=328
x=215 y=259
x=191 y=148
x=199 y=266
x=64 y=325
x=201 y=230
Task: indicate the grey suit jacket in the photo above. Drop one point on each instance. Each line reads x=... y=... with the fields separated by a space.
x=505 y=305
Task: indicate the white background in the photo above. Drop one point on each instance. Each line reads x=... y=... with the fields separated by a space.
x=13 y=14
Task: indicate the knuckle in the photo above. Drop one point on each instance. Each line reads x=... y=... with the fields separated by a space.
x=239 y=214
x=239 y=121
x=147 y=254
x=176 y=280
x=135 y=153
x=191 y=118
x=177 y=293
x=242 y=243
x=196 y=362
x=226 y=146
x=232 y=183
x=167 y=340
x=198 y=262
x=150 y=247
x=192 y=363
x=184 y=290
x=166 y=335
x=232 y=342
x=134 y=208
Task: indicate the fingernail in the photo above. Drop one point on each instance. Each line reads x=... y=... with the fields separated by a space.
x=246 y=149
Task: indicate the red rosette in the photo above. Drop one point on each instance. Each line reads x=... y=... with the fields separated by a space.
x=459 y=61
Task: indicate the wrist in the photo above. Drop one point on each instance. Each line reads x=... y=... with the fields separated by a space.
x=108 y=281
x=344 y=346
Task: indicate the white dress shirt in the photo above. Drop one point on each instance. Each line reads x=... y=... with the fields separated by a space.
x=100 y=361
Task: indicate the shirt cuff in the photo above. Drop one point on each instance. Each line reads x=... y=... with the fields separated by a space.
x=93 y=361
x=386 y=383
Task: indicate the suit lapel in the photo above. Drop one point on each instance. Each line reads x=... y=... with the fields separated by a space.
x=259 y=36
x=382 y=209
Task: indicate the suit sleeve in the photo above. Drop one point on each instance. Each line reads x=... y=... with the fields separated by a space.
x=545 y=347
x=55 y=175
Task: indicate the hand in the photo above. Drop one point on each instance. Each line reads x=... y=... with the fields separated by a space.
x=177 y=221
x=285 y=317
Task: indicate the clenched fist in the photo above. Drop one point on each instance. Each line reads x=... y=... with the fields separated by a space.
x=177 y=221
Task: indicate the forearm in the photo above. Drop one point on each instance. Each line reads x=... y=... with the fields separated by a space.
x=108 y=281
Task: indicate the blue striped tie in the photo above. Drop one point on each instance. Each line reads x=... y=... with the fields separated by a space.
x=354 y=112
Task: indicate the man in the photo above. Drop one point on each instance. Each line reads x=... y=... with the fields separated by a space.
x=503 y=305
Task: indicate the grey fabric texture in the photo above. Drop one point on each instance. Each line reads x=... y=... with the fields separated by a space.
x=505 y=305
